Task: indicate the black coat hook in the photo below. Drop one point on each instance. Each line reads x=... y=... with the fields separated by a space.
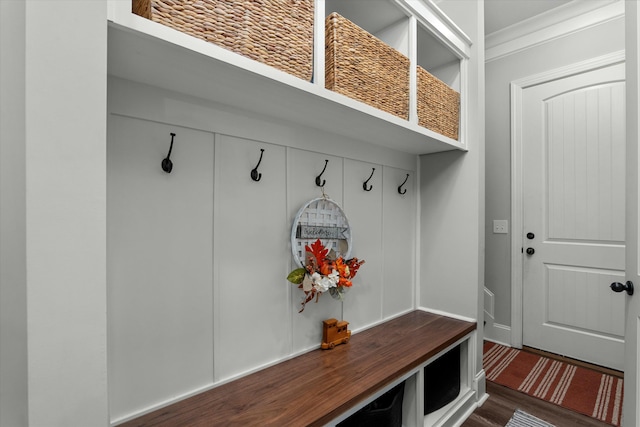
x=400 y=190
x=364 y=184
x=324 y=181
x=255 y=175
x=167 y=165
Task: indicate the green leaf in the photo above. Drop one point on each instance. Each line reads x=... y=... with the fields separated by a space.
x=297 y=276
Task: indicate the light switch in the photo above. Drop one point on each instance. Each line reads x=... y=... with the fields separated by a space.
x=500 y=226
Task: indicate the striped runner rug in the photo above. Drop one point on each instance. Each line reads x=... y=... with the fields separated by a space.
x=522 y=419
x=580 y=389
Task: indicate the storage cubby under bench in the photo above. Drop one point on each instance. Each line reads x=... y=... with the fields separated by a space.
x=318 y=387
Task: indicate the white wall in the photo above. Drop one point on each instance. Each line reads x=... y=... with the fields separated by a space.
x=588 y=43
x=66 y=212
x=452 y=200
x=13 y=270
x=53 y=217
x=198 y=259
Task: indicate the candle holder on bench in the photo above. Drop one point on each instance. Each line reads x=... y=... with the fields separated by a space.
x=334 y=333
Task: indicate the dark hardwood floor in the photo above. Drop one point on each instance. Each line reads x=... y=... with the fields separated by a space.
x=502 y=403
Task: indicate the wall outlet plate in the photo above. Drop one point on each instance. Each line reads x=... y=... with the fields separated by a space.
x=500 y=226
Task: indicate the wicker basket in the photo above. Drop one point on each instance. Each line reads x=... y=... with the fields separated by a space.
x=362 y=67
x=275 y=32
x=438 y=105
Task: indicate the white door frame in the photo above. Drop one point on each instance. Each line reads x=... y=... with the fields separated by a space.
x=517 y=212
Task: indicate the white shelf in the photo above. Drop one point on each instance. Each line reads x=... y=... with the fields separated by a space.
x=147 y=52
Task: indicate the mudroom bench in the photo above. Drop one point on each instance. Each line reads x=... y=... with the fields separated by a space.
x=322 y=387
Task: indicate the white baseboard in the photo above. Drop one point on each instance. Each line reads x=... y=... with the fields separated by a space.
x=480 y=386
x=448 y=314
x=455 y=413
x=498 y=333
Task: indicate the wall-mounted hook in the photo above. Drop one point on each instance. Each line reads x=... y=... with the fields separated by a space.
x=364 y=184
x=167 y=165
x=255 y=175
x=400 y=189
x=324 y=181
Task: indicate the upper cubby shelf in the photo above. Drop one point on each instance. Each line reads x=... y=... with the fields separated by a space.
x=144 y=51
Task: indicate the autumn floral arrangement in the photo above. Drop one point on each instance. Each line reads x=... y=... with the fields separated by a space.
x=324 y=272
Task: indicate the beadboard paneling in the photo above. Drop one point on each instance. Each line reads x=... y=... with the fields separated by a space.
x=159 y=252
x=243 y=314
x=303 y=167
x=585 y=175
x=363 y=305
x=399 y=241
x=250 y=257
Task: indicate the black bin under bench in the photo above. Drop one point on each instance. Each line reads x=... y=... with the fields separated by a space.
x=442 y=381
x=385 y=411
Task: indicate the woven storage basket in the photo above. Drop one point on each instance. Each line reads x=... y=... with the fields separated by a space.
x=275 y=32
x=438 y=105
x=362 y=67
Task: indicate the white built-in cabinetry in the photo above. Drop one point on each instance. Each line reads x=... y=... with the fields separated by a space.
x=145 y=51
x=197 y=259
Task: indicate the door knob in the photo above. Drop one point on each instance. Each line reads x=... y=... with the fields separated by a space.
x=531 y=251
x=619 y=287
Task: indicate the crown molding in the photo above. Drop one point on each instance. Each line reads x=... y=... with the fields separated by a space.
x=559 y=22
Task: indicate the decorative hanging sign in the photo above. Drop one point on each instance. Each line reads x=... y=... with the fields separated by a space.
x=319 y=232
x=323 y=219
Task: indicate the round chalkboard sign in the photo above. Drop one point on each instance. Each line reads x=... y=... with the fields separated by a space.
x=323 y=219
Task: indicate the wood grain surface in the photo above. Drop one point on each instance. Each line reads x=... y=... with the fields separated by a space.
x=316 y=387
x=503 y=402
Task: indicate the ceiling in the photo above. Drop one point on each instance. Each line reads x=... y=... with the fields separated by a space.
x=500 y=14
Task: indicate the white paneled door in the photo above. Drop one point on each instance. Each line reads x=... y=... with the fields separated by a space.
x=631 y=403
x=573 y=145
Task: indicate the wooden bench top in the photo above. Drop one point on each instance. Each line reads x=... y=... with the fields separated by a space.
x=318 y=386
